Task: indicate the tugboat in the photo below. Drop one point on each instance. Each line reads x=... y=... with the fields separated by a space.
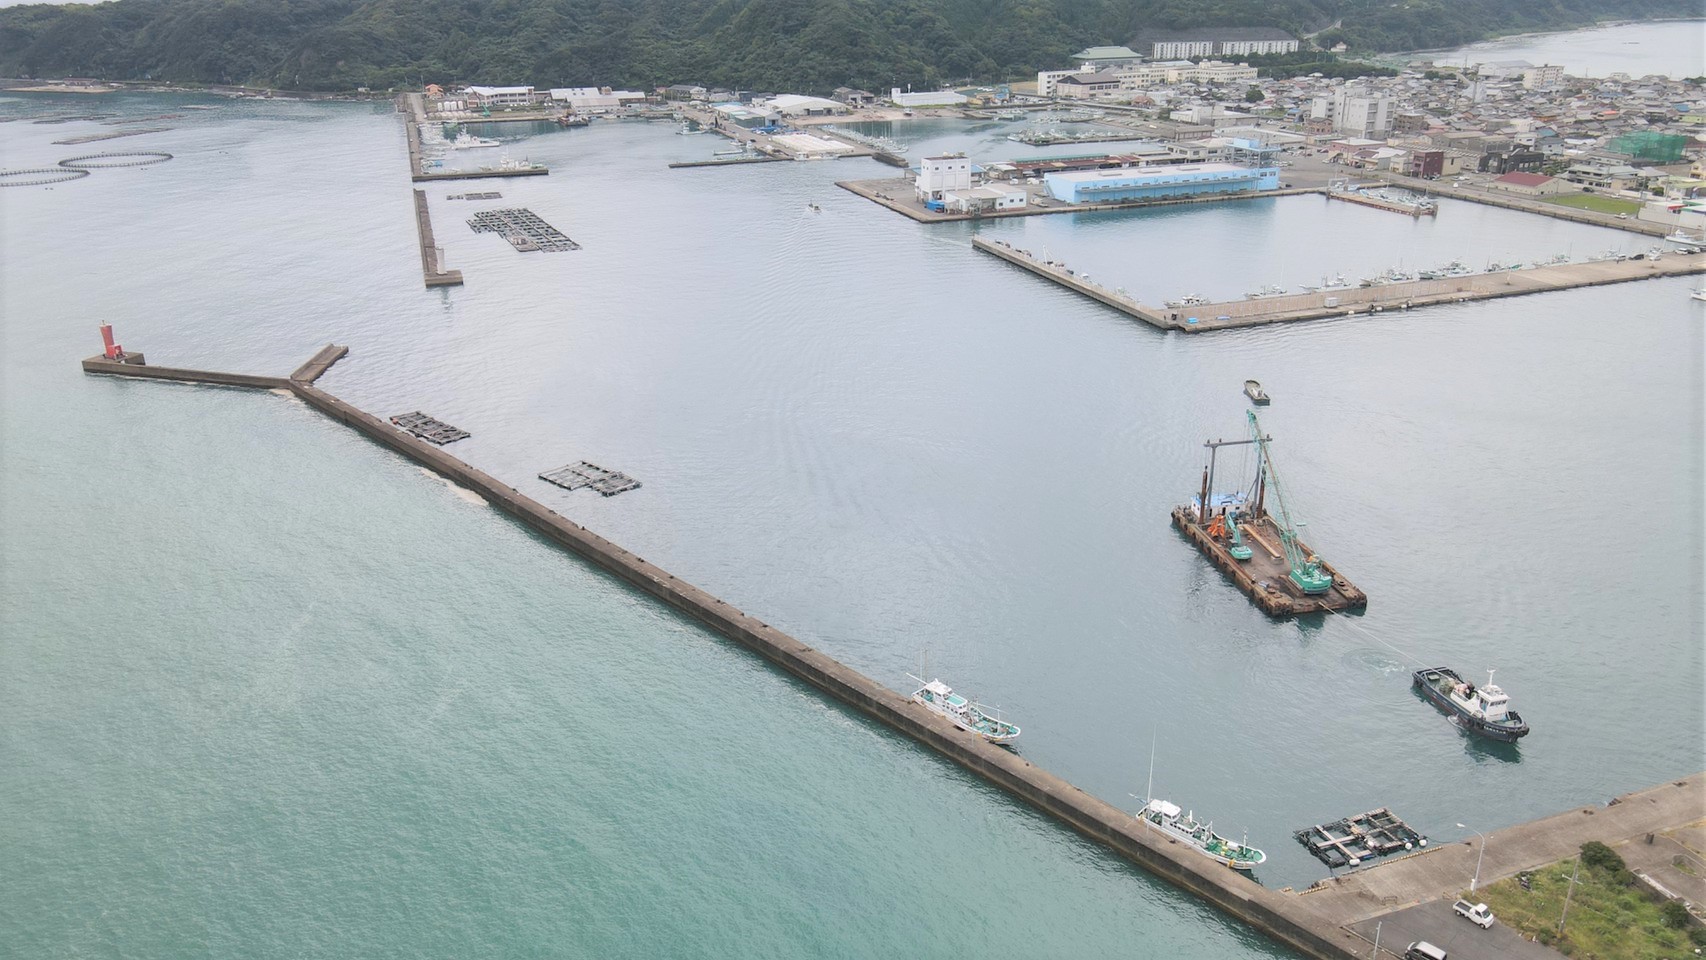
x=940 y=699
x=1167 y=816
x=1484 y=710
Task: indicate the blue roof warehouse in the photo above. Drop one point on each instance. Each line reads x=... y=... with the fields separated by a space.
x=1157 y=182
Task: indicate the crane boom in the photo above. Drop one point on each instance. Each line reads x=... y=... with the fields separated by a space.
x=1306 y=570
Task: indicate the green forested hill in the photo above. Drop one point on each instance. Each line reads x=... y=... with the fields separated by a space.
x=803 y=45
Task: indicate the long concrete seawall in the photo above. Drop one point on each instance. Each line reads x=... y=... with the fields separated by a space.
x=1282 y=916
x=1278 y=915
x=1354 y=301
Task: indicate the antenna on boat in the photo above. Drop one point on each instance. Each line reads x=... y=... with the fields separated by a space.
x=1149 y=791
x=1489 y=676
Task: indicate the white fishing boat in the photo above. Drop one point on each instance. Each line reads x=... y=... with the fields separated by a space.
x=1684 y=237
x=1699 y=294
x=1167 y=817
x=940 y=699
x=1190 y=301
x=467 y=141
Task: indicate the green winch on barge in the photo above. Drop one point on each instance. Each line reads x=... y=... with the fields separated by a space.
x=1257 y=549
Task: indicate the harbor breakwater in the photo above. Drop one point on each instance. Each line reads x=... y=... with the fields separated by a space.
x=1280 y=915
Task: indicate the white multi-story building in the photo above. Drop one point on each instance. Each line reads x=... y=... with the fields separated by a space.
x=594 y=99
x=1222 y=42
x=939 y=175
x=500 y=96
x=1046 y=79
x=1216 y=71
x=1356 y=111
x=1542 y=77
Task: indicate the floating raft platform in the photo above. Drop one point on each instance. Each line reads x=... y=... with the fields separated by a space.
x=488 y=195
x=1265 y=577
x=1357 y=840
x=523 y=228
x=608 y=483
x=428 y=429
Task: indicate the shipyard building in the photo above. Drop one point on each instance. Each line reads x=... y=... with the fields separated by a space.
x=1159 y=182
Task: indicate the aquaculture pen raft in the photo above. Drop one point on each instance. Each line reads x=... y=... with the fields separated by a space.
x=1265 y=576
x=523 y=228
x=1359 y=839
x=608 y=483
x=428 y=429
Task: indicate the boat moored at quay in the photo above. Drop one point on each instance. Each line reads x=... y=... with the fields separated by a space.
x=1167 y=816
x=1483 y=710
x=941 y=700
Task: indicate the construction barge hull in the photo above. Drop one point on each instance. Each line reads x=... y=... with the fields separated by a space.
x=1264 y=577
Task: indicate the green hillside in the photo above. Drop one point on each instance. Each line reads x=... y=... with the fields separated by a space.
x=803 y=45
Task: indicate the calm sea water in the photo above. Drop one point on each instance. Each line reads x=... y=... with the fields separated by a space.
x=1675 y=48
x=268 y=690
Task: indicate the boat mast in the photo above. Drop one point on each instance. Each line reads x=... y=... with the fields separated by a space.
x=1149 y=791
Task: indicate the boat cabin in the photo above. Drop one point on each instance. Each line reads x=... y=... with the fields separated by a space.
x=1167 y=811
x=1488 y=702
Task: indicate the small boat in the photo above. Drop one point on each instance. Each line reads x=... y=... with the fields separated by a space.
x=814 y=208
x=1184 y=826
x=1270 y=290
x=467 y=141
x=1337 y=282
x=1253 y=390
x=1481 y=710
x=1699 y=294
x=1191 y=301
x=940 y=699
x=574 y=120
x=1684 y=237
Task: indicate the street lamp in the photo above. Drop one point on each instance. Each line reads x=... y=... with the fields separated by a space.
x=1478 y=856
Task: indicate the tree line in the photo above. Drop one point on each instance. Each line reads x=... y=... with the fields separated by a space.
x=800 y=45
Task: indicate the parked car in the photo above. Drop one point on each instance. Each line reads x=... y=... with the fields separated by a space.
x=1423 y=950
x=1476 y=913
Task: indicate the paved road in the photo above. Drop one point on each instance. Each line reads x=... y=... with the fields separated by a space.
x=1461 y=940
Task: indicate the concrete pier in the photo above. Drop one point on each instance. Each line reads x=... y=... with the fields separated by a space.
x=1124 y=303
x=432 y=272
x=101 y=365
x=319 y=363
x=1356 y=300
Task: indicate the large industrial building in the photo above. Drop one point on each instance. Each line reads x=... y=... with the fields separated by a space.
x=1159 y=182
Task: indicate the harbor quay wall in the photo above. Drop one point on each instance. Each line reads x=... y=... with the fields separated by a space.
x=1281 y=916
x=1058 y=274
x=431 y=272
x=102 y=365
x=1556 y=210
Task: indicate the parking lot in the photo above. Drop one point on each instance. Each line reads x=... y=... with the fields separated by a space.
x=1461 y=940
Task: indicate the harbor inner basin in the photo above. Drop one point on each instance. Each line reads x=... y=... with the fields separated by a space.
x=892 y=447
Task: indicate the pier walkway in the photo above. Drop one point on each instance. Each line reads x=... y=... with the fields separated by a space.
x=432 y=270
x=1360 y=899
x=1354 y=301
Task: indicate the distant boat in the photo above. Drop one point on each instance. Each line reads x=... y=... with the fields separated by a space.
x=1699 y=294
x=1253 y=390
x=467 y=141
x=1684 y=237
x=1190 y=301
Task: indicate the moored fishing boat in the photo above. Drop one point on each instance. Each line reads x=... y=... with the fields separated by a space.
x=1484 y=710
x=940 y=699
x=1167 y=816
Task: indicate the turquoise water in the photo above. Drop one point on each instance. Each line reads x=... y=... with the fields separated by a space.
x=273 y=691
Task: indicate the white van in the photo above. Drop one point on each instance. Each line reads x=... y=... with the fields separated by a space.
x=1423 y=950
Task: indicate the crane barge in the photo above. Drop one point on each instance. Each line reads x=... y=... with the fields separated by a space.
x=1280 y=572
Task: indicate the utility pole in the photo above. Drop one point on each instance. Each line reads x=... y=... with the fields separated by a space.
x=1567 y=894
x=1375 y=955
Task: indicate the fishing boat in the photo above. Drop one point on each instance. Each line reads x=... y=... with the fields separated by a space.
x=1270 y=290
x=1684 y=237
x=467 y=141
x=940 y=699
x=1337 y=282
x=1253 y=390
x=1191 y=301
x=1481 y=710
x=1699 y=294
x=1168 y=817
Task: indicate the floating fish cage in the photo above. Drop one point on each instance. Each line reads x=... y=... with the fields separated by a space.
x=523 y=229
x=575 y=476
x=428 y=429
x=1356 y=840
x=487 y=195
